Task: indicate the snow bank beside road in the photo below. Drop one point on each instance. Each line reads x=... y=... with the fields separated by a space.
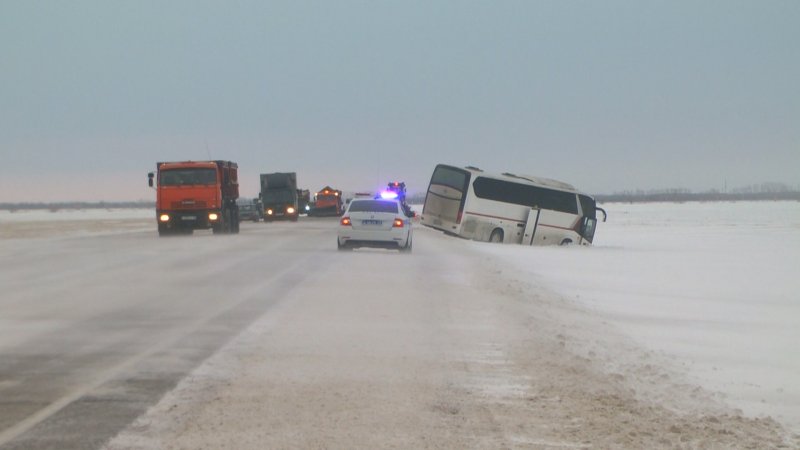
x=70 y=222
x=712 y=285
x=45 y=215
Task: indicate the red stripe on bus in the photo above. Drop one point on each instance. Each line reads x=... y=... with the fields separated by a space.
x=520 y=221
x=494 y=217
x=554 y=226
x=574 y=225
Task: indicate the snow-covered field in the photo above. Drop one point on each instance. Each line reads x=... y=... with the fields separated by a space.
x=713 y=286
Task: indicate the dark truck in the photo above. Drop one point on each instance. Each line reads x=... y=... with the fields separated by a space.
x=196 y=195
x=279 y=196
x=303 y=201
x=251 y=210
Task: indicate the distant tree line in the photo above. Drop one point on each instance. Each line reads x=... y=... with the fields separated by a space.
x=763 y=191
x=416 y=199
x=55 y=206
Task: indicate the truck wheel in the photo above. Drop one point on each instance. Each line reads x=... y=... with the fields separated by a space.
x=221 y=227
x=235 y=222
x=227 y=222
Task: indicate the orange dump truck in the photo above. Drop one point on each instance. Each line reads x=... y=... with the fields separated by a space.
x=196 y=195
x=327 y=202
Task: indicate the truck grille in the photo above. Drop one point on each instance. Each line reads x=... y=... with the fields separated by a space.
x=189 y=204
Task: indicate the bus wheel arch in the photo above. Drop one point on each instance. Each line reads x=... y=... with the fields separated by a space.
x=566 y=241
x=496 y=236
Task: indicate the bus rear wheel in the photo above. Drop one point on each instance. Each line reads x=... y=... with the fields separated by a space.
x=496 y=236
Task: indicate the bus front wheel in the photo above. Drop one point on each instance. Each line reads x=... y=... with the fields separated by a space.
x=496 y=236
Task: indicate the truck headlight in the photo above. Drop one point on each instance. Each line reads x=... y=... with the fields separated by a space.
x=164 y=218
x=290 y=210
x=213 y=216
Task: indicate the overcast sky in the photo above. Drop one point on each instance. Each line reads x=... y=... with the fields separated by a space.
x=606 y=95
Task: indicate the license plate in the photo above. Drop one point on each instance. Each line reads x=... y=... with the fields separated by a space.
x=371 y=222
x=189 y=218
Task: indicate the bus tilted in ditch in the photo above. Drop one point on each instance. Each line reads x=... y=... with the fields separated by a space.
x=508 y=208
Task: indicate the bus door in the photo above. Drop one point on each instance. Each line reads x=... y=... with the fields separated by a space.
x=530 y=226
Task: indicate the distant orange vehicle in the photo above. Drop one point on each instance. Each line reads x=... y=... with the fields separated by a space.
x=327 y=202
x=194 y=195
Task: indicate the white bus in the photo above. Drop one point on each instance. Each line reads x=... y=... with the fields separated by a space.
x=472 y=204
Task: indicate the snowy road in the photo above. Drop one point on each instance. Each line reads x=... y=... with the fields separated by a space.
x=95 y=329
x=273 y=339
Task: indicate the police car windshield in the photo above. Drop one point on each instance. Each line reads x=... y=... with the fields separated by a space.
x=373 y=206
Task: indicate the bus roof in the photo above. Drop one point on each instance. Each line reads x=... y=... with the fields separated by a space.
x=543 y=181
x=527 y=179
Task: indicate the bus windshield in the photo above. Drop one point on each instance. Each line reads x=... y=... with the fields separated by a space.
x=446 y=195
x=588 y=206
x=450 y=177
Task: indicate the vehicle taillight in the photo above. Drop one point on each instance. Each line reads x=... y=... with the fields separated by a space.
x=398 y=223
x=346 y=222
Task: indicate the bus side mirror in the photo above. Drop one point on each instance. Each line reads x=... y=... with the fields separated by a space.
x=605 y=216
x=150 y=177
